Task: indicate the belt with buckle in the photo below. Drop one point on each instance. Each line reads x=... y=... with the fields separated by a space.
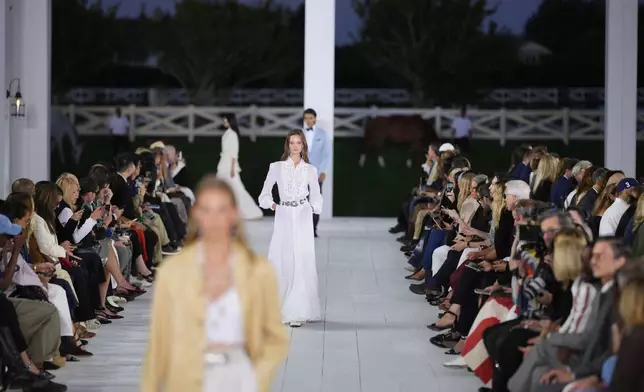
x=293 y=203
x=217 y=359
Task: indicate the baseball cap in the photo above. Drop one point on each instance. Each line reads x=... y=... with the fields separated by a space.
x=8 y=228
x=626 y=183
x=446 y=147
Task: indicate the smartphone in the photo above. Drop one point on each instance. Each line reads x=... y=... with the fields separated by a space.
x=449 y=187
x=155 y=207
x=474 y=266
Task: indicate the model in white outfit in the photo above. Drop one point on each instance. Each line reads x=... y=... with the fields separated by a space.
x=228 y=168
x=292 y=248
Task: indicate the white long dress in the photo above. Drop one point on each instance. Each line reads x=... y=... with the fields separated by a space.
x=292 y=248
x=230 y=150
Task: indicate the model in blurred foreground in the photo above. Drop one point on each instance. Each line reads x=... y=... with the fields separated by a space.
x=215 y=317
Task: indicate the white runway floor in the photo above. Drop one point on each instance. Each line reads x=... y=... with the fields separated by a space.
x=373 y=337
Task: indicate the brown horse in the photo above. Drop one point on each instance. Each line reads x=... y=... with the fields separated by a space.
x=414 y=130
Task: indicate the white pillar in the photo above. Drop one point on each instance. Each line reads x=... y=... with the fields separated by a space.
x=5 y=146
x=620 y=136
x=319 y=76
x=28 y=55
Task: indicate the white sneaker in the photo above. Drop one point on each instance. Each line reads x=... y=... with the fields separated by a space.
x=456 y=363
x=140 y=283
x=93 y=324
x=295 y=324
x=116 y=301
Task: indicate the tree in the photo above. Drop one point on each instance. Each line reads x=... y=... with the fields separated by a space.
x=220 y=44
x=81 y=44
x=574 y=31
x=437 y=48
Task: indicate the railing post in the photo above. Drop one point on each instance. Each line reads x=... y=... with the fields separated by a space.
x=504 y=126
x=566 y=125
x=191 y=123
x=253 y=123
x=132 y=120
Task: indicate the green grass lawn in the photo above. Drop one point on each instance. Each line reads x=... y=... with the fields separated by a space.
x=368 y=191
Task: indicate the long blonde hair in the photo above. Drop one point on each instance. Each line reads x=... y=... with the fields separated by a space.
x=498 y=202
x=569 y=246
x=605 y=199
x=464 y=191
x=68 y=182
x=631 y=302
x=548 y=170
x=639 y=212
x=305 y=146
x=208 y=183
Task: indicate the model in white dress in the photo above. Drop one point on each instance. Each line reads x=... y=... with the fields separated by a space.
x=228 y=168
x=292 y=248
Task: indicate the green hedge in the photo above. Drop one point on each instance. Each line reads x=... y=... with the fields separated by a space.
x=369 y=191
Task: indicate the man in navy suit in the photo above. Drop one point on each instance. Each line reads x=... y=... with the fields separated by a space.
x=319 y=151
x=564 y=185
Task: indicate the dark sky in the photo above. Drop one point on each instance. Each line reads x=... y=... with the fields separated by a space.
x=511 y=13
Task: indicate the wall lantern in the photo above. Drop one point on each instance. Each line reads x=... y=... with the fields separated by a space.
x=16 y=103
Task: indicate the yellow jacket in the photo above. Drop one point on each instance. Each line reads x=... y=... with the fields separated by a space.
x=175 y=356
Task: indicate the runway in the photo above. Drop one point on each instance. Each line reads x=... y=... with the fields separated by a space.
x=372 y=339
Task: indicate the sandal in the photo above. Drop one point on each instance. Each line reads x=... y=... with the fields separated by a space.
x=107 y=316
x=446 y=340
x=418 y=276
x=436 y=300
x=437 y=328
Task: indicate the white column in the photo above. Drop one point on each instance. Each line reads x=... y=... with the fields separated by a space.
x=319 y=77
x=621 y=86
x=28 y=41
x=5 y=142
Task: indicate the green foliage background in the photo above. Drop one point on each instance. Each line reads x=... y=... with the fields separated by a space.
x=368 y=192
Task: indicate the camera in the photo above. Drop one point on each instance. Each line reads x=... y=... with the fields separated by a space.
x=533 y=249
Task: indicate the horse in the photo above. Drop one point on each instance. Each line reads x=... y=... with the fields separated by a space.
x=415 y=130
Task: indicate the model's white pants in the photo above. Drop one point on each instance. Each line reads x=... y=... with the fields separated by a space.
x=58 y=298
x=235 y=376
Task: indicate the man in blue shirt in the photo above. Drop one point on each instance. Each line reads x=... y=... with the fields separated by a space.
x=319 y=151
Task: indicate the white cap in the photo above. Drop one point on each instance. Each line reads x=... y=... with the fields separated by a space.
x=446 y=147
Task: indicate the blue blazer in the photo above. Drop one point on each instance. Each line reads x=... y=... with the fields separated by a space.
x=521 y=172
x=560 y=190
x=320 y=151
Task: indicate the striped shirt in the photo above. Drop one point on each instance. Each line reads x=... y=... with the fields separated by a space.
x=583 y=295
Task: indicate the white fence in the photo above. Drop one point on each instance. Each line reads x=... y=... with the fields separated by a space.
x=192 y=122
x=396 y=97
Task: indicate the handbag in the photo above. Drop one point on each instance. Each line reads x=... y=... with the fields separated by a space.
x=34 y=293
